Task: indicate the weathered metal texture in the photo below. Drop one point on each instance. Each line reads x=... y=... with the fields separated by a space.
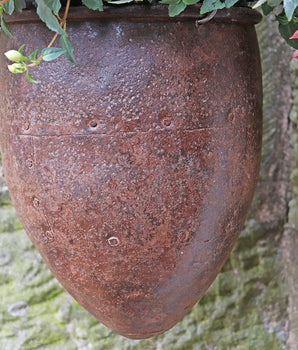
x=133 y=172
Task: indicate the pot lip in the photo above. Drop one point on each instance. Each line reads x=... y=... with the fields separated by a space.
x=145 y=13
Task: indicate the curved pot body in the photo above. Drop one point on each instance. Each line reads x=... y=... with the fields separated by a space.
x=133 y=171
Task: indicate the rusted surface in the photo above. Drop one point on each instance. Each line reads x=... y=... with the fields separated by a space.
x=133 y=172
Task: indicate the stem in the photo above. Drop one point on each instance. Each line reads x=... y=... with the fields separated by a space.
x=66 y=14
x=62 y=23
x=53 y=40
x=35 y=62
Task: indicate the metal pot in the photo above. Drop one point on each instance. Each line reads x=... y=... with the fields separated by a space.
x=133 y=171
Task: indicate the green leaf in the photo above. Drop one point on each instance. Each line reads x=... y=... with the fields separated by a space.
x=274 y=3
x=4 y=27
x=119 y=2
x=258 y=3
x=18 y=5
x=169 y=2
x=9 y=7
x=46 y=15
x=68 y=48
x=21 y=48
x=286 y=31
x=210 y=5
x=191 y=2
x=32 y=80
x=51 y=53
x=282 y=19
x=175 y=9
x=266 y=9
x=56 y=6
x=230 y=3
x=290 y=6
x=34 y=55
x=93 y=4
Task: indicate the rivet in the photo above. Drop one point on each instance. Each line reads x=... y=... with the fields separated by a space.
x=50 y=235
x=47 y=237
x=113 y=241
x=26 y=125
x=36 y=203
x=166 y=122
x=184 y=236
x=93 y=124
x=29 y=163
x=231 y=117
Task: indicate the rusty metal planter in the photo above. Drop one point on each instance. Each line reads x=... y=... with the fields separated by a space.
x=133 y=172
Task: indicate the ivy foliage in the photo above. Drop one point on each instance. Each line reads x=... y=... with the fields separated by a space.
x=54 y=17
x=286 y=13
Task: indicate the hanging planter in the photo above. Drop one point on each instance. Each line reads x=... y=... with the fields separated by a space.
x=133 y=171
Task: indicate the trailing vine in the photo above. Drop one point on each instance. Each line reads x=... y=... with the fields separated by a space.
x=49 y=11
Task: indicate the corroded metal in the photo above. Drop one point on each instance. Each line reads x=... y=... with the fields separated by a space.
x=133 y=172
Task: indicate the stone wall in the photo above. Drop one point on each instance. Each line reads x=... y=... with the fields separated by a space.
x=252 y=303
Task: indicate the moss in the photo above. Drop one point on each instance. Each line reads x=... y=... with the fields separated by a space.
x=9 y=220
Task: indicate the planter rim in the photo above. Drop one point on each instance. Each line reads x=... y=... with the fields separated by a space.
x=144 y=12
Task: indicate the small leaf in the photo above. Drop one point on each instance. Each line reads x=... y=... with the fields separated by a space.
x=9 y=7
x=175 y=9
x=169 y=2
x=267 y=9
x=282 y=19
x=258 y=3
x=34 y=55
x=21 y=48
x=32 y=80
x=274 y=3
x=56 y=6
x=51 y=53
x=286 y=31
x=4 y=27
x=119 y=2
x=191 y=2
x=93 y=4
x=210 y=5
x=46 y=15
x=290 y=6
x=18 y=5
x=230 y=3
x=68 y=48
